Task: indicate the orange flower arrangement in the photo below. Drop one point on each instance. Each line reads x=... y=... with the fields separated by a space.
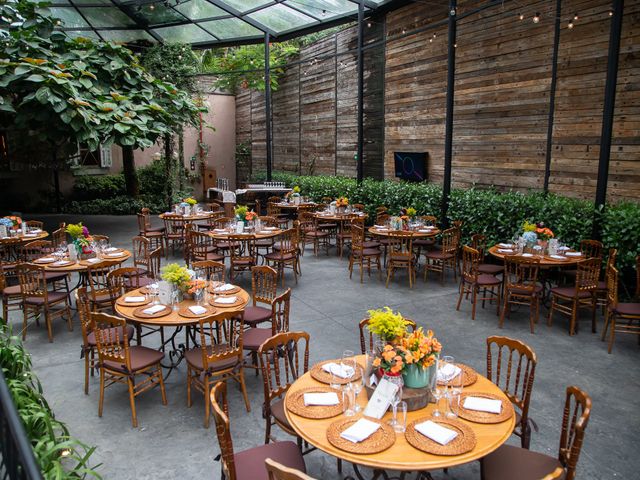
x=342 y=202
x=250 y=216
x=195 y=285
x=417 y=348
x=544 y=233
x=390 y=360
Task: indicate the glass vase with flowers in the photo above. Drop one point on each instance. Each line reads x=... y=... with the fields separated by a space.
x=81 y=239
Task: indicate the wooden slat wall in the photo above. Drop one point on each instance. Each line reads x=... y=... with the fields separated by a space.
x=243 y=132
x=502 y=95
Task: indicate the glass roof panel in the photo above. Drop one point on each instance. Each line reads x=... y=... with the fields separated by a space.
x=125 y=36
x=160 y=14
x=324 y=9
x=106 y=17
x=69 y=16
x=231 y=28
x=90 y=2
x=83 y=33
x=184 y=33
x=60 y=2
x=281 y=18
x=245 y=5
x=198 y=9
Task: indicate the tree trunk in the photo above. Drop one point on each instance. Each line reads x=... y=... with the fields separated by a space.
x=129 y=169
x=168 y=170
x=180 y=171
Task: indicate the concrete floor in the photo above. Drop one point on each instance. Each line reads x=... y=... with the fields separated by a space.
x=171 y=441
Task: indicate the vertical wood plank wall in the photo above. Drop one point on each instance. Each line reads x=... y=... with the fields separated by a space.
x=502 y=94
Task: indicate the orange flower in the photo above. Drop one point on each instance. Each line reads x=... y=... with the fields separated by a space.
x=376 y=362
x=388 y=355
x=397 y=367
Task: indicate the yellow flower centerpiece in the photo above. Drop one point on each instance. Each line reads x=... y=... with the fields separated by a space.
x=342 y=202
x=177 y=276
x=241 y=212
x=190 y=201
x=387 y=325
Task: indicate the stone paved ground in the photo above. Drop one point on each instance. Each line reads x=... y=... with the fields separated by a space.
x=172 y=443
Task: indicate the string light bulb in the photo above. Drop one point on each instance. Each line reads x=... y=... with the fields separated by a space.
x=452 y=12
x=404 y=31
x=575 y=16
x=431 y=40
x=152 y=7
x=570 y=24
x=521 y=16
x=434 y=35
x=611 y=13
x=369 y=24
x=536 y=18
x=324 y=13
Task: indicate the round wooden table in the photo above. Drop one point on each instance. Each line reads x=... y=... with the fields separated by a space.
x=190 y=218
x=339 y=217
x=420 y=233
x=175 y=319
x=80 y=266
x=295 y=207
x=545 y=260
x=401 y=455
x=12 y=244
x=223 y=233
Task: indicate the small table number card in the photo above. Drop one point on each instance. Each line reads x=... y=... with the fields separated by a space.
x=164 y=292
x=381 y=399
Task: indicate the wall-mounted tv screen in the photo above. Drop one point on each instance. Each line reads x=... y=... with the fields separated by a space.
x=411 y=166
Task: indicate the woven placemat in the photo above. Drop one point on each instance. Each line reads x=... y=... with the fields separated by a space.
x=44 y=260
x=186 y=313
x=120 y=301
x=235 y=289
x=485 y=417
x=324 y=377
x=379 y=441
x=138 y=312
x=239 y=301
x=469 y=375
x=463 y=443
x=295 y=404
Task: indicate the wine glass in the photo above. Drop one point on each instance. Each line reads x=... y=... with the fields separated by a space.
x=395 y=400
x=455 y=385
x=348 y=364
x=358 y=385
x=438 y=391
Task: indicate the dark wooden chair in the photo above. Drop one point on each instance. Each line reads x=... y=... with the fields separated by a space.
x=286 y=255
x=174 y=234
x=509 y=462
x=362 y=256
x=481 y=286
x=479 y=242
x=521 y=287
x=248 y=464
x=630 y=312
x=242 y=259
x=208 y=268
x=264 y=288
x=444 y=258
x=512 y=367
x=400 y=255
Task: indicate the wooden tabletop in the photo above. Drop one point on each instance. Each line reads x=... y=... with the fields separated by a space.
x=416 y=233
x=21 y=239
x=545 y=260
x=220 y=235
x=403 y=456
x=339 y=217
x=174 y=319
x=294 y=206
x=189 y=218
x=83 y=265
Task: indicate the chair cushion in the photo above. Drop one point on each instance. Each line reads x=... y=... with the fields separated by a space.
x=371 y=252
x=438 y=255
x=486 y=279
x=316 y=234
x=141 y=357
x=424 y=242
x=509 y=462
x=91 y=338
x=250 y=463
x=628 y=309
x=277 y=411
x=194 y=358
x=55 y=276
x=568 y=292
x=54 y=297
x=265 y=242
x=255 y=315
x=254 y=337
x=371 y=244
x=280 y=256
x=12 y=291
x=520 y=291
x=490 y=268
x=216 y=257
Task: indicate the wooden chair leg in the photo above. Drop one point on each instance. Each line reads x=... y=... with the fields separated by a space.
x=101 y=397
x=132 y=401
x=163 y=392
x=613 y=332
x=243 y=387
x=86 y=372
x=460 y=296
x=207 y=403
x=189 y=400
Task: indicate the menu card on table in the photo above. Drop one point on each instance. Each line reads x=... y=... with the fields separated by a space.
x=381 y=399
x=164 y=292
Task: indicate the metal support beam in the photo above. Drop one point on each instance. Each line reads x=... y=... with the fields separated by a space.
x=609 y=102
x=360 y=121
x=267 y=103
x=552 y=95
x=448 y=126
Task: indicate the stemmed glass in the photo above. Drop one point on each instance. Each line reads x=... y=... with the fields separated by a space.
x=394 y=404
x=358 y=385
x=447 y=360
x=454 y=400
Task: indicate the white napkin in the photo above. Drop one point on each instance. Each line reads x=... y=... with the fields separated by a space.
x=153 y=285
x=563 y=248
x=483 y=404
x=133 y=299
x=527 y=255
x=110 y=249
x=118 y=254
x=36 y=230
x=380 y=226
x=361 y=430
x=226 y=300
x=197 y=310
x=573 y=254
x=436 y=432
x=506 y=245
x=154 y=309
x=60 y=263
x=425 y=230
x=328 y=398
x=505 y=250
x=448 y=372
x=45 y=259
x=270 y=228
x=219 y=230
x=557 y=257
x=225 y=288
x=30 y=235
x=339 y=370
x=93 y=260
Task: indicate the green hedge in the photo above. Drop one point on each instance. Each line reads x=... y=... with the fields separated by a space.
x=59 y=455
x=498 y=215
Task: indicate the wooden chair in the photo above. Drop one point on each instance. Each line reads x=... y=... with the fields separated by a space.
x=569 y=300
x=400 y=255
x=59 y=236
x=283 y=359
x=37 y=299
x=219 y=356
x=11 y=294
x=313 y=234
x=248 y=464
x=38 y=248
x=224 y=246
x=35 y=224
x=589 y=249
x=344 y=234
x=363 y=335
x=481 y=286
x=121 y=363
x=155 y=235
x=122 y=280
x=513 y=369
x=425 y=243
x=88 y=349
x=209 y=223
x=146 y=259
x=509 y=462
x=174 y=233
x=264 y=288
x=361 y=255
x=277 y=471
x=200 y=246
x=274 y=211
x=521 y=287
x=256 y=336
x=244 y=258
x=479 y=242
x=100 y=238
x=446 y=257
x=101 y=294
x=630 y=312
x=208 y=268
x=602 y=290
x=264 y=246
x=286 y=255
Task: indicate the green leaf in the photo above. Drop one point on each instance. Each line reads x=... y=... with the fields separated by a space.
x=35 y=78
x=22 y=69
x=85 y=82
x=122 y=128
x=42 y=95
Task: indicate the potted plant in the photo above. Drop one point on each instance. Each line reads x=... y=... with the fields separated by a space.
x=295 y=195
x=178 y=277
x=191 y=203
x=341 y=204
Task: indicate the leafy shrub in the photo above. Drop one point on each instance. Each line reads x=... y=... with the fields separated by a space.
x=498 y=215
x=152 y=178
x=89 y=187
x=58 y=454
x=120 y=205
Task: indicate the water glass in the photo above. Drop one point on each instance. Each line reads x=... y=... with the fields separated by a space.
x=349 y=400
x=455 y=385
x=349 y=363
x=358 y=385
x=397 y=398
x=438 y=392
x=401 y=417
